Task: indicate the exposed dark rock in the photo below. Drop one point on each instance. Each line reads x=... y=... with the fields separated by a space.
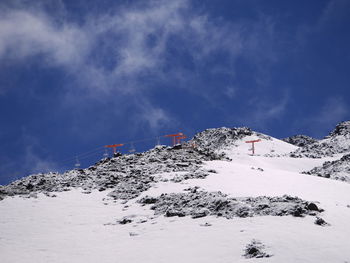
x=255 y=249
x=320 y=221
x=199 y=174
x=337 y=170
x=328 y=146
x=300 y=140
x=196 y=203
x=298 y=211
x=312 y=207
x=211 y=140
x=126 y=175
x=173 y=212
x=342 y=128
x=200 y=213
x=125 y=220
x=149 y=200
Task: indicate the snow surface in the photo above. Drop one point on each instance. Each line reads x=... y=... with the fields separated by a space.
x=78 y=227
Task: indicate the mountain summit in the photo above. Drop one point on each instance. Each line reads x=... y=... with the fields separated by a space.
x=342 y=129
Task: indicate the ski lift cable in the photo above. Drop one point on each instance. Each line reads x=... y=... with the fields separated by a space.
x=69 y=163
x=97 y=150
x=82 y=155
x=143 y=140
x=157 y=138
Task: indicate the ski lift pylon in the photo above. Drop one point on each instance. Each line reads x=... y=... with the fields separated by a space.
x=253 y=146
x=179 y=138
x=174 y=136
x=114 y=147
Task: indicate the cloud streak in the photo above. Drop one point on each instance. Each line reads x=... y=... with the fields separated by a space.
x=134 y=49
x=24 y=34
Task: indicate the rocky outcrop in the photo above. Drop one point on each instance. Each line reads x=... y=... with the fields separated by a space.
x=337 y=142
x=337 y=170
x=218 y=139
x=196 y=203
x=300 y=140
x=127 y=175
x=255 y=249
x=342 y=129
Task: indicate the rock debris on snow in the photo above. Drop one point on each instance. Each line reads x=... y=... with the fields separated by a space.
x=255 y=249
x=337 y=170
x=125 y=220
x=321 y=222
x=197 y=203
x=126 y=175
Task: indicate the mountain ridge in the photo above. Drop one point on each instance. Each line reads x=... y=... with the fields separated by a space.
x=209 y=200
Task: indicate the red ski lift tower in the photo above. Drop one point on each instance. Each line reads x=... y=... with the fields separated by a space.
x=179 y=138
x=174 y=136
x=253 y=145
x=114 y=146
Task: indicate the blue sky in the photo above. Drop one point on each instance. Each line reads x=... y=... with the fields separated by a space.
x=76 y=75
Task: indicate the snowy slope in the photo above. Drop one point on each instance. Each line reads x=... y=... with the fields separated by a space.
x=267 y=146
x=86 y=227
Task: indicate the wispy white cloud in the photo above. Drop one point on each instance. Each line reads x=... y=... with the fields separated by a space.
x=156 y=118
x=117 y=57
x=130 y=41
x=24 y=34
x=109 y=55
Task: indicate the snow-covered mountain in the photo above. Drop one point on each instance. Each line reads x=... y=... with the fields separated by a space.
x=337 y=142
x=207 y=200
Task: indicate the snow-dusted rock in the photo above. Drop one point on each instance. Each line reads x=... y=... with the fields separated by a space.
x=128 y=175
x=211 y=140
x=338 y=141
x=218 y=139
x=197 y=204
x=300 y=140
x=338 y=169
x=255 y=249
